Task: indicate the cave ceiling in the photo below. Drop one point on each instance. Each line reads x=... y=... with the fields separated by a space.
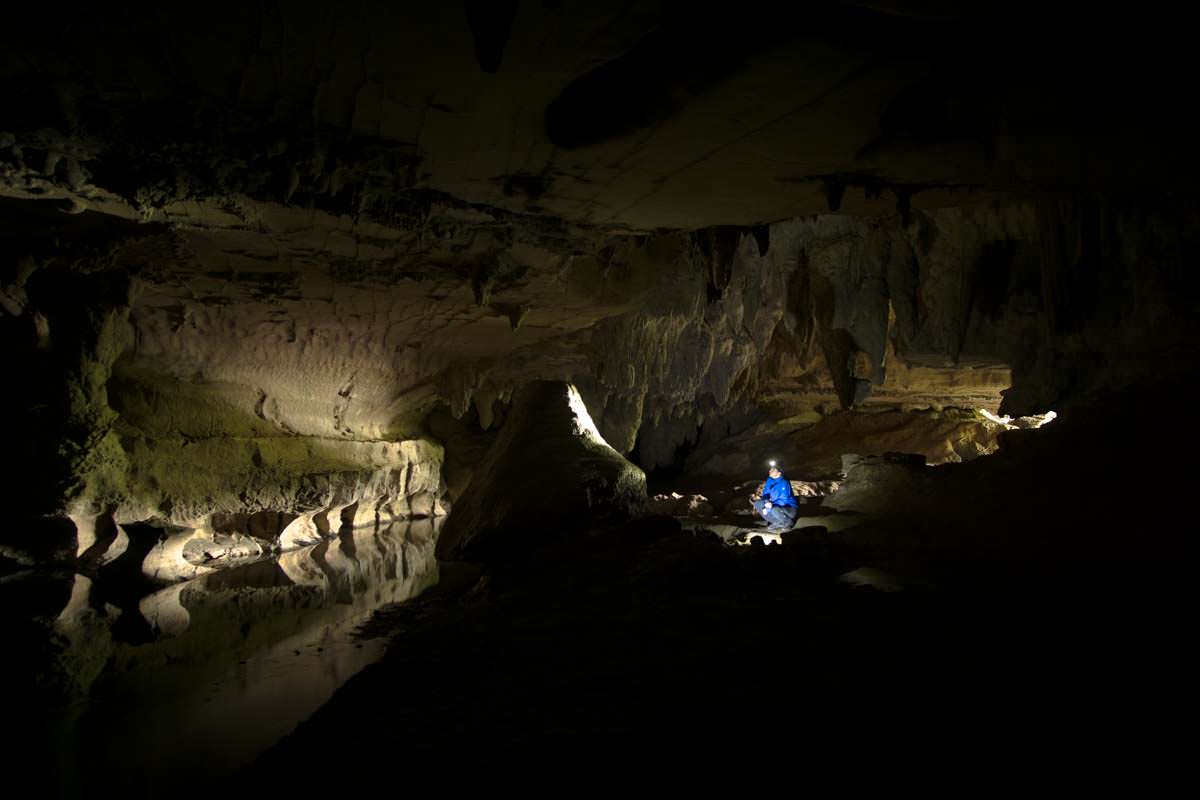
x=617 y=116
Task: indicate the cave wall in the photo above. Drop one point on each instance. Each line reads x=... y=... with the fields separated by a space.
x=248 y=251
x=200 y=368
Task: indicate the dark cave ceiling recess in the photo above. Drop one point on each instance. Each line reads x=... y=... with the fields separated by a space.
x=613 y=115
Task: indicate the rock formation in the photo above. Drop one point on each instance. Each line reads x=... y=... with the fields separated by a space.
x=274 y=276
x=259 y=278
x=548 y=471
x=192 y=386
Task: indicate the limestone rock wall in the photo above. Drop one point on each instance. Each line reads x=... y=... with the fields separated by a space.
x=198 y=366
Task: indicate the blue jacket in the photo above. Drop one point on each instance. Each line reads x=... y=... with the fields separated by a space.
x=779 y=491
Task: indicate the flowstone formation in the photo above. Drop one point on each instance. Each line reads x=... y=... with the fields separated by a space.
x=548 y=472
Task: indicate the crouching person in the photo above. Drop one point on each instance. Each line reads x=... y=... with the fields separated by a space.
x=778 y=505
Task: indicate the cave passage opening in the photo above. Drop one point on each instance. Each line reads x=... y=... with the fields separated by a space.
x=722 y=502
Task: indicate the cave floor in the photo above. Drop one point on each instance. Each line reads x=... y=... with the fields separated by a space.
x=741 y=529
x=630 y=645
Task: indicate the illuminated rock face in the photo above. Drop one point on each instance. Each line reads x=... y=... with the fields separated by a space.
x=213 y=370
x=288 y=369
x=813 y=446
x=548 y=471
x=239 y=285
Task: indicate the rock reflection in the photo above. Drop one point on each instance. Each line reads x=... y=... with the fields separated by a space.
x=360 y=569
x=227 y=663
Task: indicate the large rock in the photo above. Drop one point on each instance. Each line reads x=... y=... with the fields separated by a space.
x=548 y=468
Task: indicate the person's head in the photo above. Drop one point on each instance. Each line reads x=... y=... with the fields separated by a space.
x=773 y=470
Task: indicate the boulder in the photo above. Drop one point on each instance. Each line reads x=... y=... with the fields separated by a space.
x=548 y=469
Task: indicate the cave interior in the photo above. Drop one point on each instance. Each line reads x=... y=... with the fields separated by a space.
x=419 y=362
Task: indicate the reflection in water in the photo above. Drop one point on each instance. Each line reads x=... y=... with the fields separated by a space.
x=219 y=668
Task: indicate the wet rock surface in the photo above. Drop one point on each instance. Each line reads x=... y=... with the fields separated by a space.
x=153 y=694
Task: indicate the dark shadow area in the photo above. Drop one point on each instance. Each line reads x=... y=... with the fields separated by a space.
x=491 y=24
x=692 y=52
x=1025 y=597
x=657 y=646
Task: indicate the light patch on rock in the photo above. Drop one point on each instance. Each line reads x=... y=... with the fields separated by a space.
x=165 y=612
x=301 y=531
x=548 y=469
x=166 y=560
